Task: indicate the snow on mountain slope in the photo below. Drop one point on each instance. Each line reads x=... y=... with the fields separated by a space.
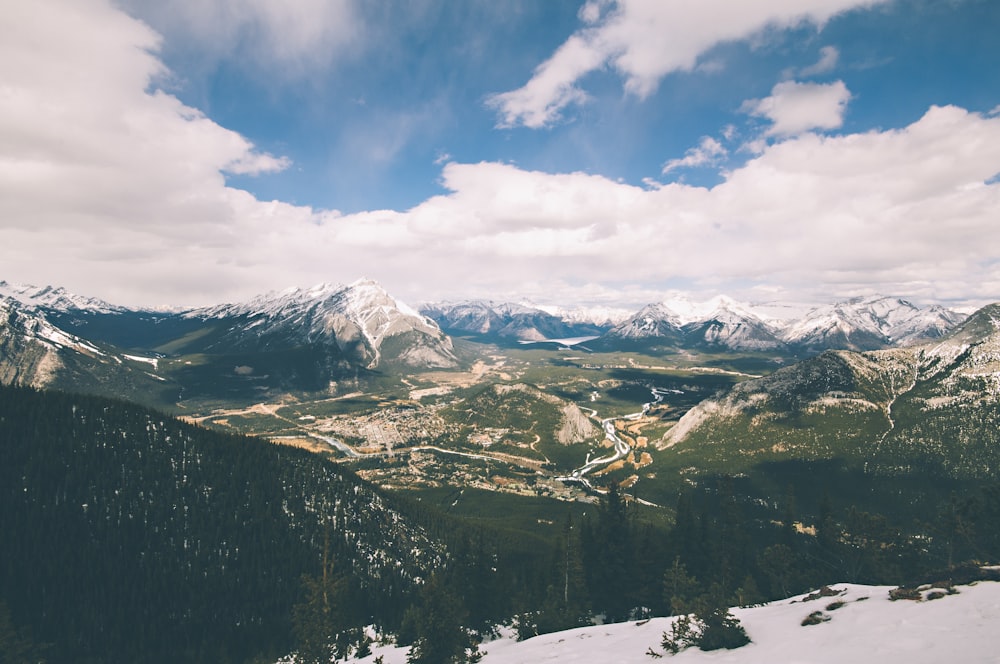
x=24 y=320
x=720 y=322
x=37 y=353
x=56 y=298
x=360 y=318
x=655 y=320
x=505 y=320
x=925 y=409
x=870 y=323
x=596 y=315
x=972 y=351
x=867 y=627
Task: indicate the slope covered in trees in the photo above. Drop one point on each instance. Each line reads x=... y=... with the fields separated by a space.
x=130 y=535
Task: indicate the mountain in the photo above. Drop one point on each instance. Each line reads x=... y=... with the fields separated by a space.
x=299 y=339
x=922 y=411
x=37 y=353
x=653 y=322
x=600 y=316
x=726 y=324
x=723 y=324
x=360 y=322
x=506 y=321
x=54 y=299
x=869 y=324
x=718 y=324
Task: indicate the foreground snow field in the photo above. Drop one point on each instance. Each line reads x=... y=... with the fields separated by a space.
x=867 y=627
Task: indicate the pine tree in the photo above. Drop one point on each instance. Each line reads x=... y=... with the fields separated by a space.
x=319 y=618
x=679 y=588
x=15 y=646
x=610 y=558
x=441 y=636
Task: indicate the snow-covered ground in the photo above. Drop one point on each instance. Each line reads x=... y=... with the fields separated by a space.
x=867 y=627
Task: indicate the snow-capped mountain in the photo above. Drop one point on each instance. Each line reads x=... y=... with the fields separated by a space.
x=38 y=353
x=722 y=323
x=600 y=316
x=869 y=323
x=55 y=299
x=926 y=409
x=655 y=325
x=361 y=319
x=300 y=339
x=725 y=323
x=505 y=320
x=717 y=323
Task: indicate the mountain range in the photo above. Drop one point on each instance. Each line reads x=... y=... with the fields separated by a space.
x=927 y=410
x=295 y=339
x=721 y=323
x=332 y=336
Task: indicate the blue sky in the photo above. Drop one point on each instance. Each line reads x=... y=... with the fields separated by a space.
x=191 y=151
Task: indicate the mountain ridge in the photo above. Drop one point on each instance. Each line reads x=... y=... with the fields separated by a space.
x=890 y=410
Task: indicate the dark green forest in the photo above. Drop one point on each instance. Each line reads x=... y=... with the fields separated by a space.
x=128 y=535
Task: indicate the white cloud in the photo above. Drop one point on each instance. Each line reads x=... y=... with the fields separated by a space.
x=828 y=58
x=552 y=88
x=903 y=211
x=795 y=107
x=292 y=34
x=644 y=40
x=708 y=152
x=116 y=191
x=95 y=165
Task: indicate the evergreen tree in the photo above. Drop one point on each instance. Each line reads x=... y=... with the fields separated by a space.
x=777 y=562
x=565 y=604
x=679 y=588
x=788 y=534
x=319 y=619
x=610 y=558
x=441 y=637
x=686 y=534
x=16 y=647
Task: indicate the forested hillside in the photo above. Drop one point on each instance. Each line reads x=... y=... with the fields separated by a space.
x=131 y=536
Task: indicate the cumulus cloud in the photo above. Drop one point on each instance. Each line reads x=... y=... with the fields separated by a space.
x=903 y=211
x=643 y=41
x=116 y=190
x=795 y=107
x=708 y=152
x=94 y=160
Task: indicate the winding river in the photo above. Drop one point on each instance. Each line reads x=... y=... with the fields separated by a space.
x=621 y=448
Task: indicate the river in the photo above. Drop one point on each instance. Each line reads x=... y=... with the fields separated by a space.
x=621 y=448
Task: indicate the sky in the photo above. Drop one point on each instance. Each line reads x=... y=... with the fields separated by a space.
x=599 y=152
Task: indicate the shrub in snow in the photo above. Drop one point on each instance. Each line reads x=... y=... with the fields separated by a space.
x=815 y=618
x=717 y=630
x=904 y=593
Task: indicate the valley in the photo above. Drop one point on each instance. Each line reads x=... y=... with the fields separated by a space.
x=511 y=399
x=529 y=422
